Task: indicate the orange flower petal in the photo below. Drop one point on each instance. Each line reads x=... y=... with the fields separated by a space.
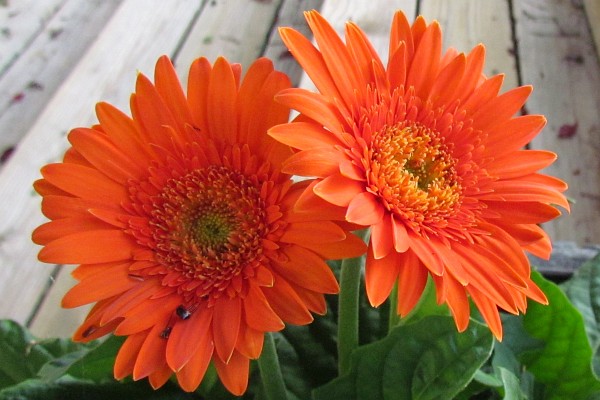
x=457 y=300
x=314 y=162
x=198 y=80
x=347 y=79
x=364 y=209
x=88 y=247
x=427 y=254
x=127 y=355
x=313 y=106
x=147 y=314
x=169 y=88
x=151 y=357
x=105 y=283
x=226 y=326
x=501 y=108
x=312 y=232
x=426 y=61
x=400 y=235
x=222 y=91
x=522 y=130
x=382 y=237
x=412 y=279
x=186 y=340
x=54 y=230
x=488 y=310
x=159 y=377
x=337 y=189
x=258 y=312
x=250 y=342
x=303 y=135
x=85 y=182
x=310 y=59
x=286 y=303
x=380 y=276
x=190 y=376
x=234 y=374
x=306 y=269
x=521 y=163
x=352 y=246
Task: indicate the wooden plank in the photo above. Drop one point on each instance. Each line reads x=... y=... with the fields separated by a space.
x=20 y=22
x=592 y=10
x=558 y=57
x=226 y=29
x=139 y=32
x=30 y=81
x=466 y=23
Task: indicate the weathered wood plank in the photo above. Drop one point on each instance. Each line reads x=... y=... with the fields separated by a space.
x=466 y=23
x=224 y=28
x=592 y=10
x=133 y=39
x=30 y=81
x=20 y=23
x=558 y=57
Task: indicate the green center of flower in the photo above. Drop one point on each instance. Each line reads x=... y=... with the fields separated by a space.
x=210 y=229
x=413 y=172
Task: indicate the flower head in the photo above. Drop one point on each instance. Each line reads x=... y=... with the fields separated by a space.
x=183 y=225
x=427 y=153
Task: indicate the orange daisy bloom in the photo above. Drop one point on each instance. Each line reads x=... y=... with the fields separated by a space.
x=427 y=153
x=183 y=225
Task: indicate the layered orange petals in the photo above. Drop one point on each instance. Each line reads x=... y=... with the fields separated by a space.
x=186 y=226
x=427 y=153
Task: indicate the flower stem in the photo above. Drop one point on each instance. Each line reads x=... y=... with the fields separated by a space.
x=270 y=372
x=394 y=318
x=348 y=310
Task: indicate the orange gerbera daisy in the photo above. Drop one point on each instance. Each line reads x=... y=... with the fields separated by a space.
x=184 y=228
x=426 y=152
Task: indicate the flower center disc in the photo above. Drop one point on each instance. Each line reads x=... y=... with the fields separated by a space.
x=414 y=174
x=206 y=228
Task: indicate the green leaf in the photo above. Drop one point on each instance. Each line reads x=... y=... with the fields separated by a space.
x=583 y=289
x=22 y=354
x=563 y=365
x=94 y=363
x=35 y=389
x=425 y=360
x=511 y=384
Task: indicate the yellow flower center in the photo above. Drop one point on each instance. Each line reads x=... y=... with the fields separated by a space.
x=413 y=172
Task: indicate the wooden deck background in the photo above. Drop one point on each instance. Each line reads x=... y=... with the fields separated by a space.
x=59 y=57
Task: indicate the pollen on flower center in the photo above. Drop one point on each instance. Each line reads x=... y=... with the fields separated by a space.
x=205 y=229
x=414 y=174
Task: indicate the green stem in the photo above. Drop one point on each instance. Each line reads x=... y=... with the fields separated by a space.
x=348 y=311
x=394 y=318
x=270 y=372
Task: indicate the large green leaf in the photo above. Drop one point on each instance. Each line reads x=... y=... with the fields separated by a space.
x=94 y=363
x=35 y=389
x=583 y=289
x=22 y=354
x=563 y=365
x=425 y=360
